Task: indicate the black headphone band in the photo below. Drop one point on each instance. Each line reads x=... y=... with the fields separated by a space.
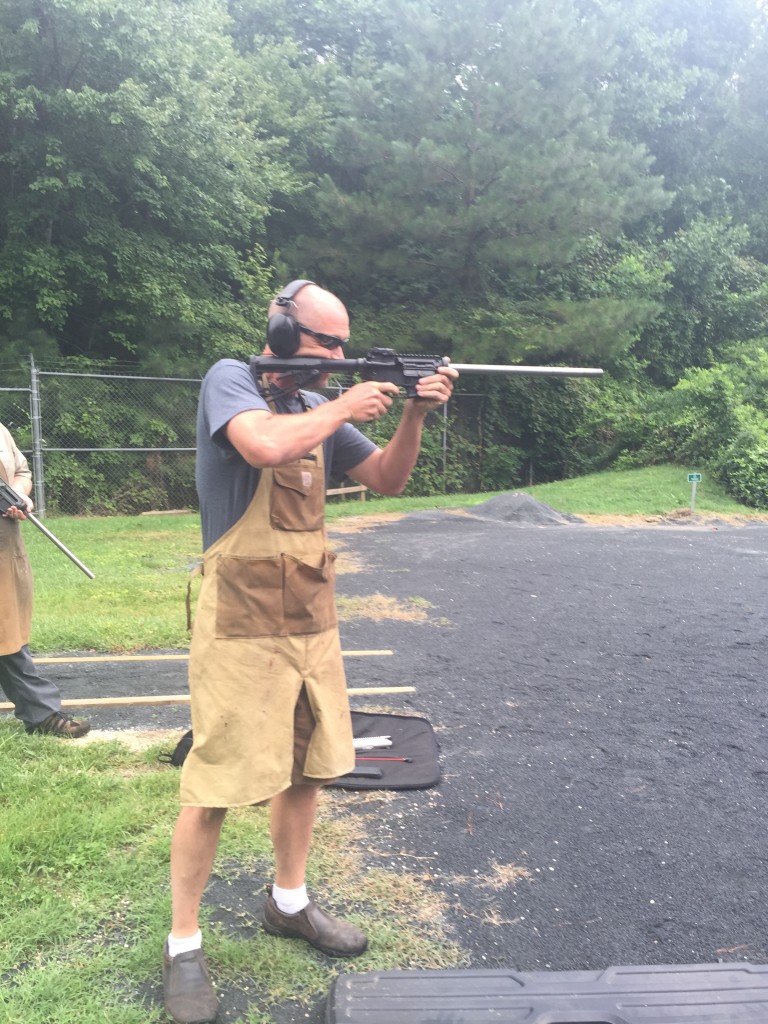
x=286 y=296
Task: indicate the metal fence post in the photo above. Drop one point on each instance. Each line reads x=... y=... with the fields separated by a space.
x=444 y=440
x=37 y=439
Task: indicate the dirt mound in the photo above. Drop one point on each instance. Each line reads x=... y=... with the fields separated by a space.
x=516 y=507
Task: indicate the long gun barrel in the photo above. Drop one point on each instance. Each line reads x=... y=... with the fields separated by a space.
x=384 y=364
x=9 y=497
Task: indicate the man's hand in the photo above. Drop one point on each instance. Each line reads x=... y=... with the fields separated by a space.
x=435 y=391
x=14 y=512
x=368 y=401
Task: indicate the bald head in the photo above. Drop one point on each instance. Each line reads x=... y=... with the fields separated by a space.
x=309 y=300
x=316 y=311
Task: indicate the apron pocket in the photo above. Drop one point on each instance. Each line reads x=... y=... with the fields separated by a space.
x=249 y=599
x=310 y=606
x=297 y=499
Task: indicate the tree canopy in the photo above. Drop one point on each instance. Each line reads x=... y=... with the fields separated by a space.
x=133 y=188
x=578 y=180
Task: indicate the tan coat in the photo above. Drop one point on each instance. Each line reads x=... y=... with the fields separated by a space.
x=265 y=627
x=15 y=571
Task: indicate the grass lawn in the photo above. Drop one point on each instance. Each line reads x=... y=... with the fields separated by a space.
x=638 y=492
x=84 y=901
x=141 y=563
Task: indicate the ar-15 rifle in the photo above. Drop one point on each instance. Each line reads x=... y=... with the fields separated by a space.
x=9 y=497
x=384 y=364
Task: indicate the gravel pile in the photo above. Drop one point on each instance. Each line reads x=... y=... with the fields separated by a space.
x=515 y=507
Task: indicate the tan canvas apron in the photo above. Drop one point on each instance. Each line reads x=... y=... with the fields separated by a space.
x=15 y=586
x=265 y=626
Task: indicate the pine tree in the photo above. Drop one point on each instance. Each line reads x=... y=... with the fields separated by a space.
x=468 y=160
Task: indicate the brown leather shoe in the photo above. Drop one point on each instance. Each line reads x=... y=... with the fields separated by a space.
x=189 y=995
x=59 y=724
x=328 y=934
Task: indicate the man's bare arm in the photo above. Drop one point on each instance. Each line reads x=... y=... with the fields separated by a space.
x=388 y=469
x=272 y=439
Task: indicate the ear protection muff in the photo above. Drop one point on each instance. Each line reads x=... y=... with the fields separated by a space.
x=283 y=334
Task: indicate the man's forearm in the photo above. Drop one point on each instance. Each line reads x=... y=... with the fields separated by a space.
x=22 y=484
x=272 y=439
x=388 y=470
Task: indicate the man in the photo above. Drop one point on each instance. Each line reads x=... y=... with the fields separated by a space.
x=37 y=701
x=270 y=715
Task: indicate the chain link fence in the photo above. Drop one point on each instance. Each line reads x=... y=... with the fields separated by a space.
x=105 y=444
x=118 y=444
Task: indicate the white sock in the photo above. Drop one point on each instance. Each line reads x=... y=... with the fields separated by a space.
x=176 y=946
x=290 y=901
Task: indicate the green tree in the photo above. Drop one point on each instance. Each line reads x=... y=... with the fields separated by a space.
x=132 y=189
x=691 y=88
x=718 y=295
x=743 y=149
x=467 y=157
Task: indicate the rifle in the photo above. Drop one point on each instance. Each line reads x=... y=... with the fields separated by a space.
x=9 y=497
x=384 y=364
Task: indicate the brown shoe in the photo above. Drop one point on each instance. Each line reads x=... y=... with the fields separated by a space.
x=328 y=934
x=59 y=724
x=189 y=995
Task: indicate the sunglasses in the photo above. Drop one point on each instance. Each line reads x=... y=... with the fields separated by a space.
x=326 y=340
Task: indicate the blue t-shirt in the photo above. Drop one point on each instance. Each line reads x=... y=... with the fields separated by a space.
x=225 y=482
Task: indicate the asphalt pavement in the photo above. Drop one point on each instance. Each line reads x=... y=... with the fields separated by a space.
x=598 y=693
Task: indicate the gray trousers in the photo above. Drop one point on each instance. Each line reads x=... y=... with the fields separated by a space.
x=34 y=697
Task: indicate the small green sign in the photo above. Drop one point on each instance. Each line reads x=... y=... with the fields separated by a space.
x=694 y=478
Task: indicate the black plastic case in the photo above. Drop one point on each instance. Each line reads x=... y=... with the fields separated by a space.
x=681 y=994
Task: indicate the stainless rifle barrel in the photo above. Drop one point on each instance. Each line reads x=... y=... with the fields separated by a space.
x=44 y=529
x=548 y=371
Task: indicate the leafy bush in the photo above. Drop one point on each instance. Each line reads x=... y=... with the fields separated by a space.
x=74 y=487
x=743 y=466
x=716 y=417
x=446 y=462
x=499 y=467
x=745 y=474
